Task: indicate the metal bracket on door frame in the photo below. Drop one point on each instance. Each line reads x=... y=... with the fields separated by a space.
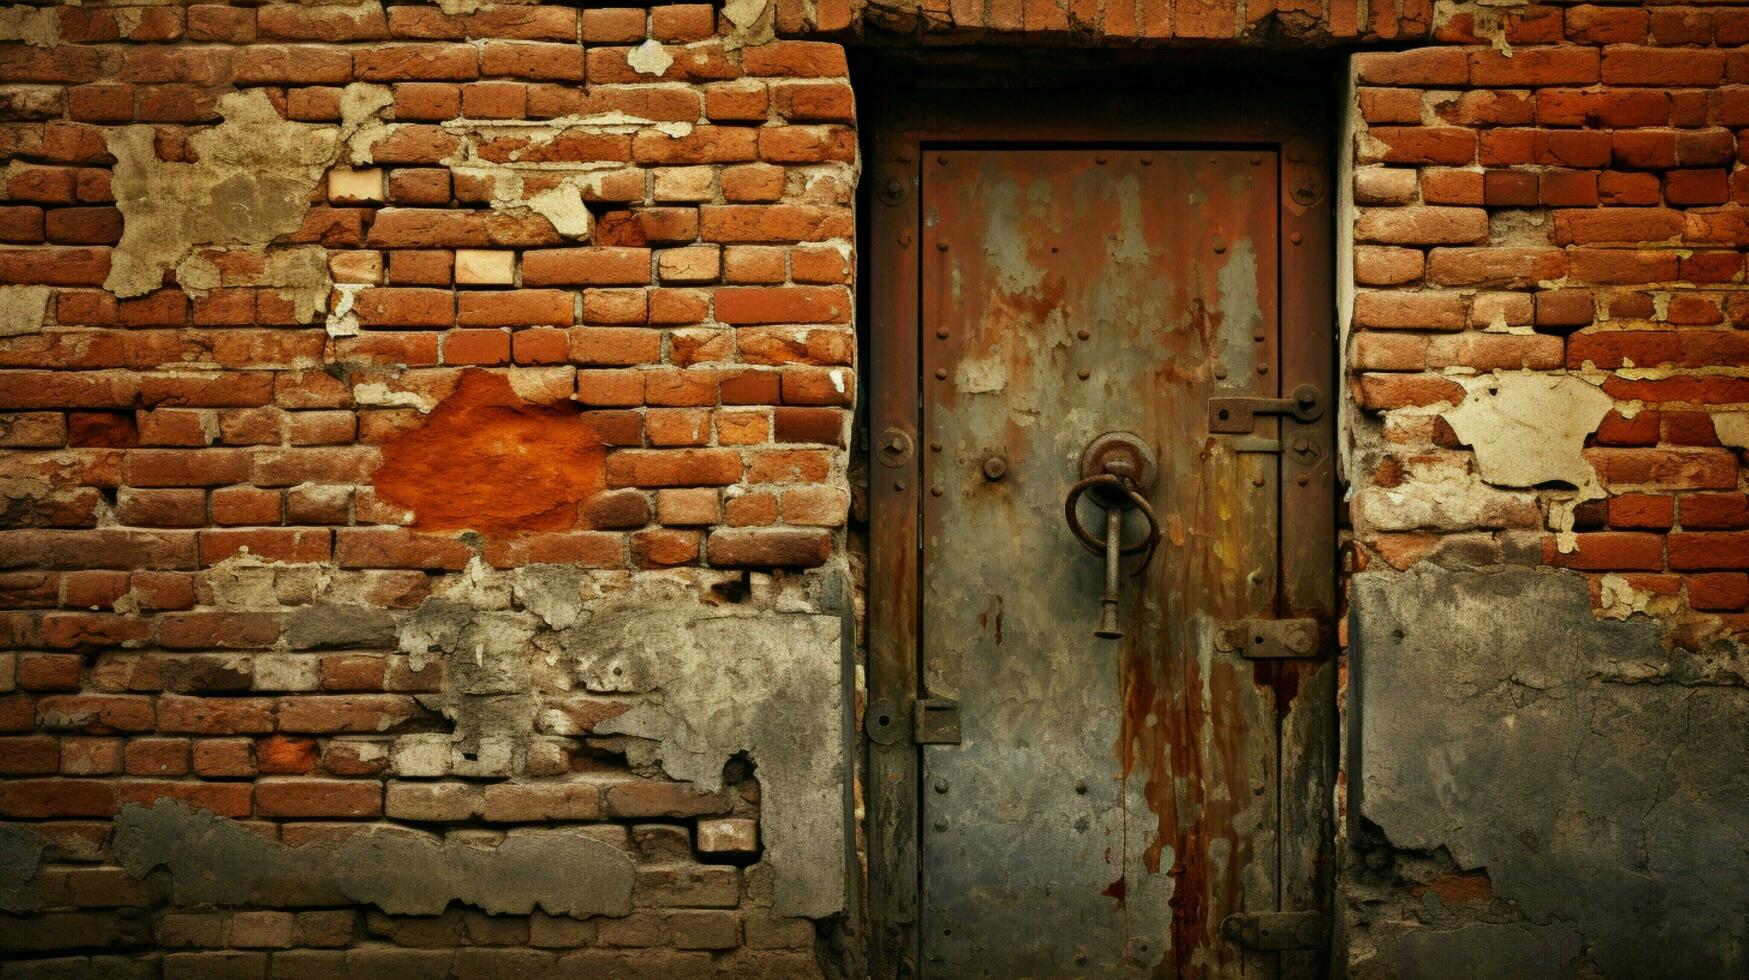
x=934 y=721
x=1237 y=415
x=1275 y=930
x=1268 y=639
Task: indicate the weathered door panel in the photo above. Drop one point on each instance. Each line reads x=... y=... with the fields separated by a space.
x=1110 y=801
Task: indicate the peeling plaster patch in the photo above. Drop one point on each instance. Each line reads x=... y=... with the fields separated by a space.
x=20 y=853
x=377 y=394
x=1483 y=949
x=1618 y=599
x=38 y=27
x=751 y=25
x=563 y=206
x=1732 y=428
x=1442 y=496
x=728 y=683
x=1529 y=429
x=362 y=106
x=702 y=683
x=23 y=309
x=649 y=58
x=1593 y=767
x=342 y=321
x=212 y=859
x=252 y=184
x=300 y=275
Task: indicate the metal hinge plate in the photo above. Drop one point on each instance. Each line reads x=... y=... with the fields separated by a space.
x=1237 y=415
x=936 y=722
x=1269 y=639
x=1275 y=930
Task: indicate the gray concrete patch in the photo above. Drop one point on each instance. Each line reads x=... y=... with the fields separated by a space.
x=1598 y=777
x=211 y=859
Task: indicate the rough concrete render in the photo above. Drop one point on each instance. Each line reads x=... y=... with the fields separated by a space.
x=431 y=503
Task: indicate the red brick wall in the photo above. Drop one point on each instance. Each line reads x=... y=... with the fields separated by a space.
x=192 y=468
x=191 y=471
x=1559 y=190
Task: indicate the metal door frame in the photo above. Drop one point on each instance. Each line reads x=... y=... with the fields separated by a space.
x=1293 y=122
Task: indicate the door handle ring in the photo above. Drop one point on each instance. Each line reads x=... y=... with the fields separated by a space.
x=1119 y=493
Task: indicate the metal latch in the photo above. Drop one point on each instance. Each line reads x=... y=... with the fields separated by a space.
x=936 y=722
x=1275 y=930
x=1269 y=639
x=1238 y=414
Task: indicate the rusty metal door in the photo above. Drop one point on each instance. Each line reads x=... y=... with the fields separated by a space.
x=1090 y=806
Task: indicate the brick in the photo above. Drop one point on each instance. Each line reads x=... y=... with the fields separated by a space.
x=1534 y=67
x=798 y=547
x=434 y=802
x=1410 y=310
x=303 y=798
x=791 y=304
x=1713 y=510
x=1610 y=550
x=1425 y=144
x=1718 y=591
x=1722 y=550
x=1425 y=67
x=1423 y=226
x=535 y=802
x=588 y=266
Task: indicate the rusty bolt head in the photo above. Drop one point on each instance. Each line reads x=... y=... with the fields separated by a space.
x=995 y=468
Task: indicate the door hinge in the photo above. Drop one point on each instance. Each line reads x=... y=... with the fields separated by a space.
x=936 y=721
x=1275 y=930
x=1237 y=415
x=1268 y=639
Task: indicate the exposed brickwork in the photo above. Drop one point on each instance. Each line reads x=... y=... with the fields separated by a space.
x=618 y=241
x=1558 y=189
x=659 y=347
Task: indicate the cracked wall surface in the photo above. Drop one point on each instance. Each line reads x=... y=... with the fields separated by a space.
x=1571 y=760
x=427 y=491
x=1546 y=627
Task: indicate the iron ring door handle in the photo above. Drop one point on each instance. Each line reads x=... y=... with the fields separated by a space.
x=1135 y=501
x=1121 y=495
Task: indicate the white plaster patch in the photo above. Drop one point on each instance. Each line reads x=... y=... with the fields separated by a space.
x=1529 y=429
x=1732 y=429
x=649 y=58
x=36 y=26
x=23 y=309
